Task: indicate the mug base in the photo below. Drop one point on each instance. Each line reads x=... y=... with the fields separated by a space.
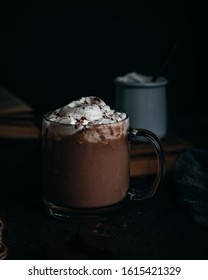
x=83 y=215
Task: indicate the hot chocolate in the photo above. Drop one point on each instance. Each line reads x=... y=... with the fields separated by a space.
x=85 y=155
x=86 y=160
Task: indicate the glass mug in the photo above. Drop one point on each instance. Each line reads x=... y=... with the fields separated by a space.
x=86 y=173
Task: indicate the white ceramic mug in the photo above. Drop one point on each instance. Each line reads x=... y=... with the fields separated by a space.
x=145 y=103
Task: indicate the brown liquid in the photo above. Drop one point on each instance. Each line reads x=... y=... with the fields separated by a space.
x=82 y=174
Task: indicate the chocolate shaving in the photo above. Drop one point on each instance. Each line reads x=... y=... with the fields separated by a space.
x=80 y=122
x=97 y=99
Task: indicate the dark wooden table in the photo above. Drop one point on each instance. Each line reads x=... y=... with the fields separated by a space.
x=155 y=229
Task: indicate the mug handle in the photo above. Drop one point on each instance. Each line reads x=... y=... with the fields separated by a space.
x=134 y=135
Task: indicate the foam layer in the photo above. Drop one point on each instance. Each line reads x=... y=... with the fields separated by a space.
x=86 y=111
x=89 y=115
x=136 y=78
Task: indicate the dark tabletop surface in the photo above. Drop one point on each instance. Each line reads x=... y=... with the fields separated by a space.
x=159 y=228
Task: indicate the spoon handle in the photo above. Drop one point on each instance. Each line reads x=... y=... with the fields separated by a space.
x=165 y=62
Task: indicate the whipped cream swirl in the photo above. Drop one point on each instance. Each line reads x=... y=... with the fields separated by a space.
x=86 y=111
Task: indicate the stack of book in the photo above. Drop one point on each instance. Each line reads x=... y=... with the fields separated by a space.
x=17 y=119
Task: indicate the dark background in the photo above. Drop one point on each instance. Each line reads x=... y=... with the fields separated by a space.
x=51 y=53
